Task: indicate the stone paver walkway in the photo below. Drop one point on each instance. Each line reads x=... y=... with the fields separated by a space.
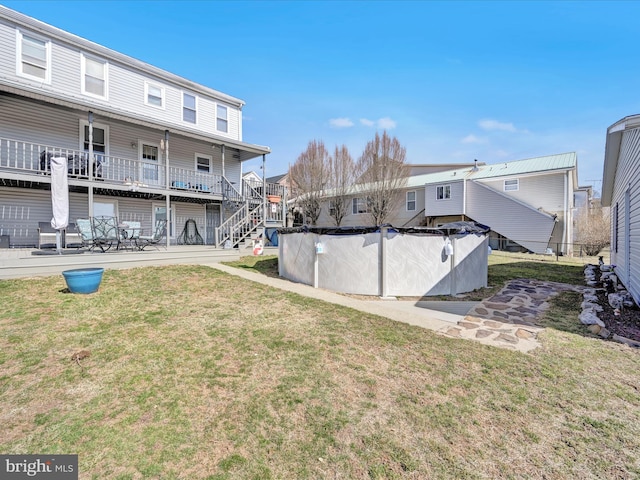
x=509 y=318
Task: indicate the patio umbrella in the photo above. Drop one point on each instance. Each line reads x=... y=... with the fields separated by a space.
x=59 y=198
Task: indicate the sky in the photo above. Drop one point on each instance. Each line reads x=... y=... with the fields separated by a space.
x=453 y=81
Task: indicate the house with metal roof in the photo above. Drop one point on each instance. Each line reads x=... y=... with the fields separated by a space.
x=621 y=192
x=528 y=204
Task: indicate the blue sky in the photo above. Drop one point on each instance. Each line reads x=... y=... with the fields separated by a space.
x=453 y=81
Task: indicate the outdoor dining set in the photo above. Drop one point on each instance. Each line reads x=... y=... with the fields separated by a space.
x=104 y=233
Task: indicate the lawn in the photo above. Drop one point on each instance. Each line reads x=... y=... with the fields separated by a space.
x=196 y=374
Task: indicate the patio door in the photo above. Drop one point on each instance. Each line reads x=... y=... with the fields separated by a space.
x=160 y=213
x=212 y=214
x=150 y=170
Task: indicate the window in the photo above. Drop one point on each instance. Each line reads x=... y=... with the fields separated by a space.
x=105 y=208
x=99 y=139
x=94 y=77
x=359 y=205
x=332 y=208
x=34 y=57
x=153 y=95
x=188 y=108
x=411 y=201
x=511 y=185
x=443 y=192
x=160 y=213
x=221 y=120
x=203 y=163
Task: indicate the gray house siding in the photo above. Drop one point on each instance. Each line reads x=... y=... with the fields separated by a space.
x=625 y=206
x=126 y=84
x=21 y=210
x=508 y=217
x=539 y=191
x=400 y=216
x=451 y=206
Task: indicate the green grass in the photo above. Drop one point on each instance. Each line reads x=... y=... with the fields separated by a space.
x=190 y=376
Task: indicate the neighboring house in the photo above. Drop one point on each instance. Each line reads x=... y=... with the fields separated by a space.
x=142 y=144
x=527 y=203
x=410 y=207
x=621 y=192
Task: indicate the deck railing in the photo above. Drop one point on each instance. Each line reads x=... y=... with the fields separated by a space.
x=35 y=158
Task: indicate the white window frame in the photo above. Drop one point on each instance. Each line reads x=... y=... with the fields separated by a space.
x=197 y=164
x=356 y=203
x=409 y=201
x=220 y=118
x=512 y=185
x=84 y=123
x=195 y=108
x=83 y=73
x=147 y=85
x=446 y=193
x=20 y=62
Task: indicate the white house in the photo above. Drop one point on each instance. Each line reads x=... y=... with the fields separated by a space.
x=142 y=143
x=527 y=203
x=621 y=192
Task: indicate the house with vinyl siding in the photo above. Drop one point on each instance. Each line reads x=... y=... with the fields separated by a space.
x=621 y=192
x=527 y=203
x=142 y=144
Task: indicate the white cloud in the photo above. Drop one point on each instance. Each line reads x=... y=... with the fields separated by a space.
x=488 y=124
x=341 y=122
x=386 y=123
x=473 y=139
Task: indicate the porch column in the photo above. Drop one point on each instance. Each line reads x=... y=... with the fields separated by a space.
x=90 y=163
x=224 y=187
x=167 y=182
x=264 y=194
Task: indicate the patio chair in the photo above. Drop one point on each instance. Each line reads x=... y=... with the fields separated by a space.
x=85 y=232
x=105 y=232
x=129 y=232
x=158 y=234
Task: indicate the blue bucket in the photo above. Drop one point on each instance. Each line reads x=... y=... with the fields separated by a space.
x=83 y=280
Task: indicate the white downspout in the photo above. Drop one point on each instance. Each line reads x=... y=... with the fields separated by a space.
x=564 y=246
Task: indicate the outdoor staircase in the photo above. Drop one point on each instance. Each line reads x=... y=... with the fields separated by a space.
x=245 y=222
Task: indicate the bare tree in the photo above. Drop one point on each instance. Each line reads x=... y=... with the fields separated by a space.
x=593 y=230
x=342 y=174
x=383 y=173
x=309 y=174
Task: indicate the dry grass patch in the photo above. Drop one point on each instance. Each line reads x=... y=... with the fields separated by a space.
x=197 y=374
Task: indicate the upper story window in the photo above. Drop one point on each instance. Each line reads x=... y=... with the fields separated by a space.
x=222 y=123
x=511 y=185
x=189 y=105
x=153 y=95
x=203 y=163
x=411 y=201
x=34 y=57
x=94 y=76
x=443 y=192
x=359 y=205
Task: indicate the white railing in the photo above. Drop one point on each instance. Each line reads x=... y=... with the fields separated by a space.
x=239 y=226
x=35 y=158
